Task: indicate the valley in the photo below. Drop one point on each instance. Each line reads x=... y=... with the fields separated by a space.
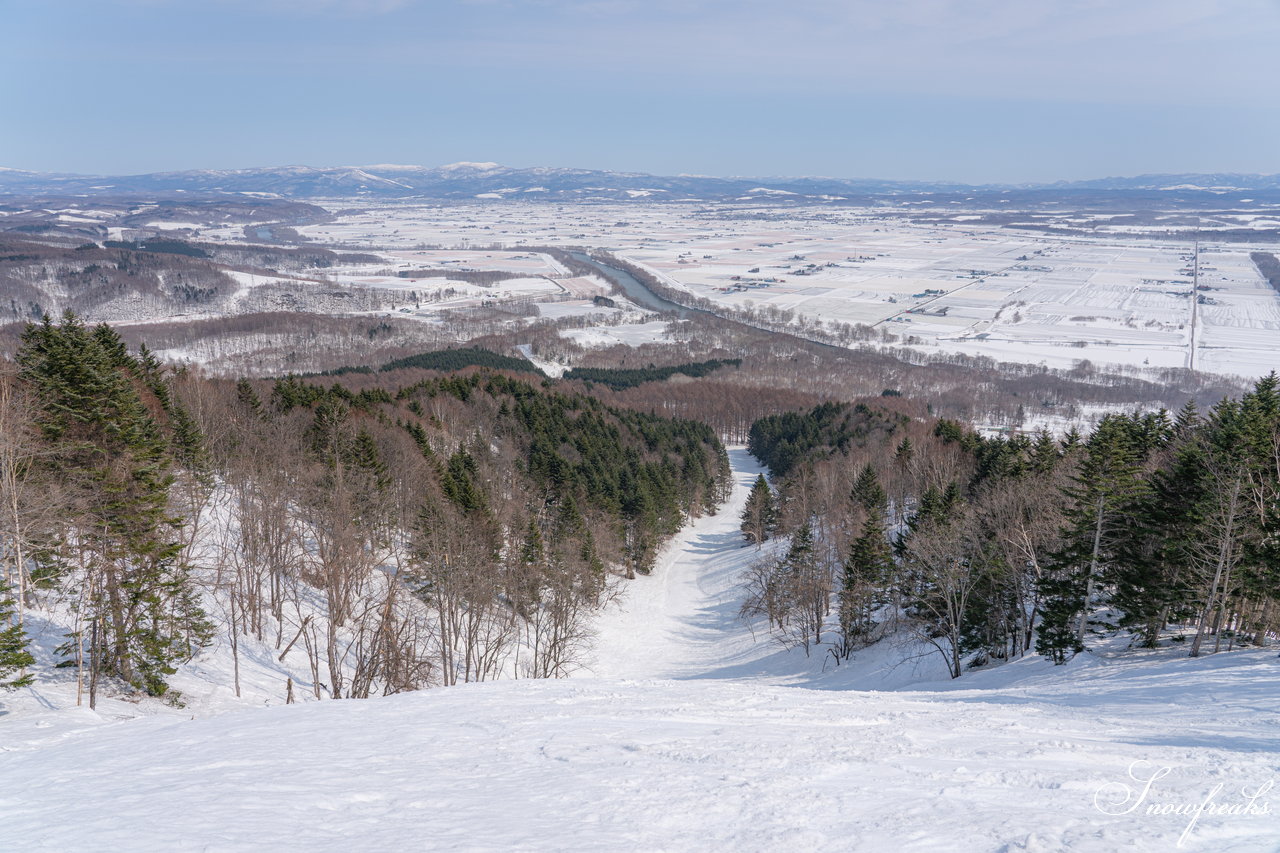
x=620 y=427
x=1088 y=288
x=476 y=468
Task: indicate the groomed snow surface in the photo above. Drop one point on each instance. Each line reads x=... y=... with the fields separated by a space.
x=686 y=734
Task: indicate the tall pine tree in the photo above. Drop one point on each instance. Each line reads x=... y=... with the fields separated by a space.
x=136 y=597
x=14 y=656
x=760 y=517
x=1100 y=499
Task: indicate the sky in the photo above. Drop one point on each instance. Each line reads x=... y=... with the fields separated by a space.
x=968 y=90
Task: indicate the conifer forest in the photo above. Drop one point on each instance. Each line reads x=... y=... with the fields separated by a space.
x=1158 y=526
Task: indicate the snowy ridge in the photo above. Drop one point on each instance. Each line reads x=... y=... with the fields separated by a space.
x=466 y=179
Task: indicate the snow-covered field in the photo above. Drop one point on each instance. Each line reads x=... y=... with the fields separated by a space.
x=630 y=334
x=939 y=283
x=687 y=733
x=1055 y=288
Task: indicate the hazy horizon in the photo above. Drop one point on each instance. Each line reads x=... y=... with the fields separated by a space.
x=986 y=91
x=533 y=166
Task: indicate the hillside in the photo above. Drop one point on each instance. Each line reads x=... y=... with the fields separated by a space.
x=560 y=636
x=391 y=531
x=624 y=765
x=724 y=757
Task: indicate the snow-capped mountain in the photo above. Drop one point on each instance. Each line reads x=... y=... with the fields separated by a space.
x=1215 y=182
x=491 y=180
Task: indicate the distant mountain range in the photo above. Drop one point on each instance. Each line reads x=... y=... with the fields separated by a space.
x=493 y=181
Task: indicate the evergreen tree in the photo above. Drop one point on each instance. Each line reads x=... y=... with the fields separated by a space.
x=1099 y=502
x=867 y=492
x=14 y=657
x=459 y=483
x=1260 y=576
x=804 y=583
x=904 y=453
x=802 y=552
x=760 y=517
x=532 y=551
x=188 y=445
x=867 y=567
x=1235 y=440
x=1187 y=421
x=111 y=453
x=937 y=506
x=1152 y=580
x=863 y=577
x=1045 y=453
x=249 y=398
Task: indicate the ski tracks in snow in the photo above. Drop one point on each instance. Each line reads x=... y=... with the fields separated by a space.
x=681 y=621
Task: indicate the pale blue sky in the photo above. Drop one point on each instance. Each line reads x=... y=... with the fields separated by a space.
x=970 y=90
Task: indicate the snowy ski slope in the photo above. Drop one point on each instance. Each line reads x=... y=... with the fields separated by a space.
x=686 y=735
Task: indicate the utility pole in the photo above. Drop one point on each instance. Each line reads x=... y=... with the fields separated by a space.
x=1195 y=297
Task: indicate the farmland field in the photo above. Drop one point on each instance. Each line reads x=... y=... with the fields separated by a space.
x=936 y=284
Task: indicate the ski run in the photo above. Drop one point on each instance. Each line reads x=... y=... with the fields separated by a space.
x=689 y=729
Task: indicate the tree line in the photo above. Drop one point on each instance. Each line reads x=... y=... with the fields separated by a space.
x=447 y=360
x=619 y=378
x=1268 y=265
x=1159 y=527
